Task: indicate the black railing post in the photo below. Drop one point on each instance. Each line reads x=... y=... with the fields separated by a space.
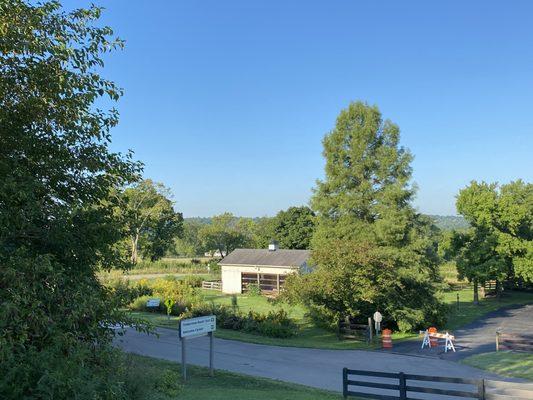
x=481 y=389
x=403 y=386
x=345 y=382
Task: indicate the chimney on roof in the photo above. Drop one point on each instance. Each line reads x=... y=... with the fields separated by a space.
x=273 y=246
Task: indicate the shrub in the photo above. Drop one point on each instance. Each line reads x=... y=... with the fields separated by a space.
x=254 y=289
x=193 y=280
x=139 y=304
x=274 y=324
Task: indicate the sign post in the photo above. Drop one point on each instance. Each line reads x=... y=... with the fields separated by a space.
x=377 y=320
x=196 y=327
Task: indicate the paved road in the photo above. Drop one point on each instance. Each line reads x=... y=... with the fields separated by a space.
x=478 y=336
x=313 y=367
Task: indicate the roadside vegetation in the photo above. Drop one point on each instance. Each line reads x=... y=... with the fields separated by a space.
x=152 y=379
x=505 y=363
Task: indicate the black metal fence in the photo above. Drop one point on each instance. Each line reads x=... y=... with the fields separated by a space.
x=406 y=384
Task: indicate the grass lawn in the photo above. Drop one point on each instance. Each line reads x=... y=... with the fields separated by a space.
x=518 y=365
x=312 y=336
x=165 y=384
x=309 y=335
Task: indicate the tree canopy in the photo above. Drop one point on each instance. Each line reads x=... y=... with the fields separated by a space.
x=150 y=220
x=225 y=233
x=381 y=253
x=57 y=220
x=500 y=243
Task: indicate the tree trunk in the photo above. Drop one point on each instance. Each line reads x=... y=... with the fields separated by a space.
x=476 y=293
x=134 y=249
x=498 y=290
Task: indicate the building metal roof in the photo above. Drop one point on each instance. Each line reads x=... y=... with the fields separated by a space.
x=265 y=257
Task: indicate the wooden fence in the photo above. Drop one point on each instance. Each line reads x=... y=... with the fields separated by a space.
x=347 y=329
x=212 y=285
x=404 y=384
x=511 y=341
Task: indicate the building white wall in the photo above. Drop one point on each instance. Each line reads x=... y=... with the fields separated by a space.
x=231 y=275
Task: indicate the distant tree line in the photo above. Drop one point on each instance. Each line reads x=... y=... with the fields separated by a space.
x=292 y=228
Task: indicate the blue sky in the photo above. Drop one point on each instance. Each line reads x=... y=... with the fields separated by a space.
x=226 y=102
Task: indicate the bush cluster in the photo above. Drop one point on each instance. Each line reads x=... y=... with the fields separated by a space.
x=189 y=304
x=183 y=292
x=125 y=292
x=273 y=324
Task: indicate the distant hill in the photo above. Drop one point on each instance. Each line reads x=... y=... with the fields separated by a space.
x=449 y=222
x=201 y=220
x=443 y=222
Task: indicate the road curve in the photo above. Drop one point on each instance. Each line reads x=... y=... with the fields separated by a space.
x=312 y=367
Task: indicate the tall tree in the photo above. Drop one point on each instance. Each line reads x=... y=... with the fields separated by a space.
x=294 y=227
x=57 y=222
x=226 y=232
x=365 y=203
x=150 y=220
x=503 y=216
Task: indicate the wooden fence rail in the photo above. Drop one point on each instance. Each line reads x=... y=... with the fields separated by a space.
x=347 y=329
x=403 y=384
x=510 y=341
x=212 y=285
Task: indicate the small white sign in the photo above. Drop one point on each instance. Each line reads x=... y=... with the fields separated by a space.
x=153 y=303
x=198 y=326
x=378 y=317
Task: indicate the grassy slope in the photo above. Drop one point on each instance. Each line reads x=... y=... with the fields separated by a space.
x=518 y=365
x=167 y=384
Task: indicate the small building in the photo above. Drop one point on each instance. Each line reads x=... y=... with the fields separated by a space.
x=266 y=268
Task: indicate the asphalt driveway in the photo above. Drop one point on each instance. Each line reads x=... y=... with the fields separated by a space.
x=478 y=336
x=312 y=367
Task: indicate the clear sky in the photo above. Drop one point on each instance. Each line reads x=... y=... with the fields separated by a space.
x=226 y=102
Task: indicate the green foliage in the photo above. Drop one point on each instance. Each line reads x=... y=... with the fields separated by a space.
x=225 y=233
x=179 y=293
x=292 y=228
x=502 y=215
x=189 y=244
x=57 y=221
x=150 y=221
x=475 y=255
x=275 y=323
x=371 y=249
x=254 y=289
x=139 y=304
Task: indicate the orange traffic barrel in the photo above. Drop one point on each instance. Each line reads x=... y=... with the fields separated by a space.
x=386 y=339
x=433 y=341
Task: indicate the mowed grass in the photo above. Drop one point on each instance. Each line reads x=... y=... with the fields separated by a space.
x=166 y=384
x=517 y=365
x=309 y=335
